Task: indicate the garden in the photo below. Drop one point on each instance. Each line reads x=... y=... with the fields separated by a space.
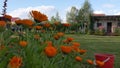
x=27 y=44
x=37 y=43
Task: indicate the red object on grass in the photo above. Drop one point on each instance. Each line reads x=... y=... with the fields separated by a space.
x=108 y=60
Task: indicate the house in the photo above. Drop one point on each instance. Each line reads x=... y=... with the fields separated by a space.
x=14 y=19
x=109 y=22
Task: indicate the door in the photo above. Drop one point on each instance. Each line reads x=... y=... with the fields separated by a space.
x=109 y=26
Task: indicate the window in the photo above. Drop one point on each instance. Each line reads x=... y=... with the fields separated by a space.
x=99 y=24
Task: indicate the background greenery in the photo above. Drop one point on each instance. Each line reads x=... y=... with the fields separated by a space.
x=100 y=44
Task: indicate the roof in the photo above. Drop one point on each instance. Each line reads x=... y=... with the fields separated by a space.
x=98 y=14
x=14 y=19
x=107 y=17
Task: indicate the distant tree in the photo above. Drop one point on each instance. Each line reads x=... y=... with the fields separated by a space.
x=52 y=20
x=80 y=17
x=85 y=16
x=57 y=17
x=71 y=15
x=4 y=7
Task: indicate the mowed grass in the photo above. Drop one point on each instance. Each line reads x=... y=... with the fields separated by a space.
x=99 y=44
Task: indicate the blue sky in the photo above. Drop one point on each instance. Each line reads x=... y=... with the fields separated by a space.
x=21 y=8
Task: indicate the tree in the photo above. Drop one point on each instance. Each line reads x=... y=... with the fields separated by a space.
x=80 y=18
x=4 y=7
x=52 y=20
x=85 y=15
x=57 y=17
x=71 y=16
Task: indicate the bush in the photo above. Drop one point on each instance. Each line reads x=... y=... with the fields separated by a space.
x=116 y=31
x=100 y=31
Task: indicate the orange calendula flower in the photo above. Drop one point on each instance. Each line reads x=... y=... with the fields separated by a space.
x=56 y=37
x=90 y=61
x=18 y=22
x=46 y=25
x=38 y=27
x=23 y=43
x=60 y=34
x=74 y=48
x=66 y=49
x=66 y=41
x=36 y=37
x=49 y=43
x=82 y=51
x=76 y=44
x=70 y=39
x=8 y=17
x=50 y=51
x=38 y=16
x=27 y=22
x=56 y=23
x=15 y=62
x=66 y=24
x=99 y=63
x=78 y=58
x=2 y=23
x=43 y=31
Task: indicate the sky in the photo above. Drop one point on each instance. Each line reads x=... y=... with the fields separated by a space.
x=21 y=8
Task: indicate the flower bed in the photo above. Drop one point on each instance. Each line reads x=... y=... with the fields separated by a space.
x=40 y=46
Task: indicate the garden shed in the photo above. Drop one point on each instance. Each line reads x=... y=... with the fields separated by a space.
x=108 y=22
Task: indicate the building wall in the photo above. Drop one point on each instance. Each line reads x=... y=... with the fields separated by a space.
x=114 y=24
x=104 y=24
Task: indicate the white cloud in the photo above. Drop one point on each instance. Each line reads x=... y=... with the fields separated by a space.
x=118 y=13
x=108 y=6
x=68 y=9
x=99 y=12
x=113 y=12
x=109 y=12
x=24 y=12
x=64 y=19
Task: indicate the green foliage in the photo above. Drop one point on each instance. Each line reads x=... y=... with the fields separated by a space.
x=75 y=28
x=2 y=29
x=117 y=31
x=82 y=16
x=85 y=16
x=99 y=44
x=100 y=32
x=71 y=16
x=55 y=18
x=32 y=54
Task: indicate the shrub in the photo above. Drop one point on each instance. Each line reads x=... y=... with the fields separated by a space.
x=116 y=31
x=100 y=31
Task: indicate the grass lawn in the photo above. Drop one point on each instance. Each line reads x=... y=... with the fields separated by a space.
x=100 y=44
